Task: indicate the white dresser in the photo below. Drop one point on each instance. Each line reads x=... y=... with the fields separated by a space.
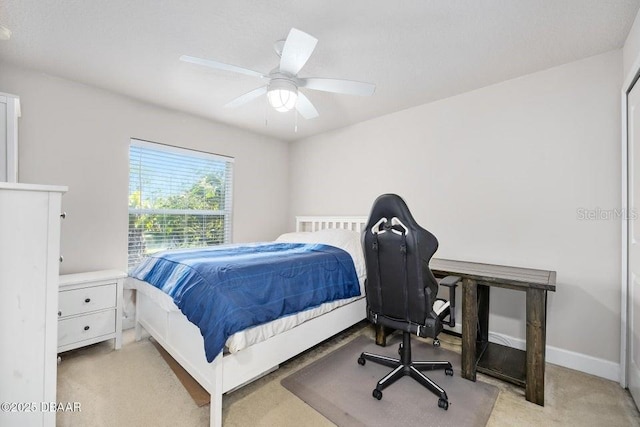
x=29 y=269
x=90 y=309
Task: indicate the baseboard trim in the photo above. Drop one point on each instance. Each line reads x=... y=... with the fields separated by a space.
x=559 y=356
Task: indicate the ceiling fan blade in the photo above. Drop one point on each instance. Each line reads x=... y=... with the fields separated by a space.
x=220 y=66
x=348 y=87
x=249 y=96
x=305 y=107
x=296 y=51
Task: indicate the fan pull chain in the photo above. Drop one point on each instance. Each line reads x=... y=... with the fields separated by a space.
x=295 y=126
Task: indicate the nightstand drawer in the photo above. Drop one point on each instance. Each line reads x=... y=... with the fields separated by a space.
x=84 y=300
x=83 y=328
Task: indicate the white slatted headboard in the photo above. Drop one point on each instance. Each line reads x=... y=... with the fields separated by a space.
x=315 y=223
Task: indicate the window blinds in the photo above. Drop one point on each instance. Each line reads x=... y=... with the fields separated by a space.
x=178 y=198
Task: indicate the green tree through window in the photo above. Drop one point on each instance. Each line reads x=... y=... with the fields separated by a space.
x=177 y=199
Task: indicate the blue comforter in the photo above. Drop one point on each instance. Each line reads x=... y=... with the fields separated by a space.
x=225 y=289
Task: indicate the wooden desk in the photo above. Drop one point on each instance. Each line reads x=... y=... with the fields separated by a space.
x=523 y=368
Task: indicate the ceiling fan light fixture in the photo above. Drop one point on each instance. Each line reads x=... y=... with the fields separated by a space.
x=5 y=33
x=282 y=95
x=282 y=82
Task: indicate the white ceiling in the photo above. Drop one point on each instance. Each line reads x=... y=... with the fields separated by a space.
x=415 y=51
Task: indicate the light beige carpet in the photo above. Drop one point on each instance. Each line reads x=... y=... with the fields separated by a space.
x=340 y=389
x=135 y=387
x=199 y=395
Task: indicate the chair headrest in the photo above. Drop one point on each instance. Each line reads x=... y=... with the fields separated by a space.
x=394 y=225
x=390 y=213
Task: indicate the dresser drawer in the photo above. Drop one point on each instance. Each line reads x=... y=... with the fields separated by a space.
x=85 y=327
x=84 y=300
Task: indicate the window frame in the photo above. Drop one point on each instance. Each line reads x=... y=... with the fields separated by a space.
x=226 y=212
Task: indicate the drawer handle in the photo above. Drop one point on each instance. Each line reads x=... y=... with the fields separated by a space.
x=87 y=300
x=86 y=328
x=61 y=258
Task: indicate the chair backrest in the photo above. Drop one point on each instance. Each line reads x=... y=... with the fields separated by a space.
x=397 y=253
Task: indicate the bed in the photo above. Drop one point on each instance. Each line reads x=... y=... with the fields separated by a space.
x=251 y=353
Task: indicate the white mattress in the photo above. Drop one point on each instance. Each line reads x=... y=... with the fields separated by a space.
x=256 y=334
x=248 y=337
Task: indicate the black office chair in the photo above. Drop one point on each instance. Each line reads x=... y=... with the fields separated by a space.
x=401 y=290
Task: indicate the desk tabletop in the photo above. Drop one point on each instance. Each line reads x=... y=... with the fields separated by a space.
x=498 y=275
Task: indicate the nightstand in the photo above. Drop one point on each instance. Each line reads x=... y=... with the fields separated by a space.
x=90 y=309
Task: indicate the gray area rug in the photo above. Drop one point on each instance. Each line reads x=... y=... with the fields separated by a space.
x=340 y=389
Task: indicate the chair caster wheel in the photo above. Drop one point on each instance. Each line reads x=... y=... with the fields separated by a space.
x=361 y=361
x=377 y=394
x=444 y=404
x=448 y=371
x=436 y=342
x=400 y=349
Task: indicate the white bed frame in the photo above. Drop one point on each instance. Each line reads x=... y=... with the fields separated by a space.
x=183 y=341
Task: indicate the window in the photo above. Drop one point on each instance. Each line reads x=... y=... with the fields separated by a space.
x=178 y=198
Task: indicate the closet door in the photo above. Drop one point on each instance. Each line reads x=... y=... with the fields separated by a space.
x=633 y=292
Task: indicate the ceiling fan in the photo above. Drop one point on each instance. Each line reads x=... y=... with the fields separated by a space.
x=283 y=83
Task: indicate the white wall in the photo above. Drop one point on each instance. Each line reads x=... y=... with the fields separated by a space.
x=76 y=135
x=498 y=175
x=631 y=49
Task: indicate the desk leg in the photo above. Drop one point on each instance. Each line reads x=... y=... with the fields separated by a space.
x=483 y=316
x=381 y=335
x=469 y=328
x=536 y=337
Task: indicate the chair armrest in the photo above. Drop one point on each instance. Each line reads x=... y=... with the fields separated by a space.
x=451 y=282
